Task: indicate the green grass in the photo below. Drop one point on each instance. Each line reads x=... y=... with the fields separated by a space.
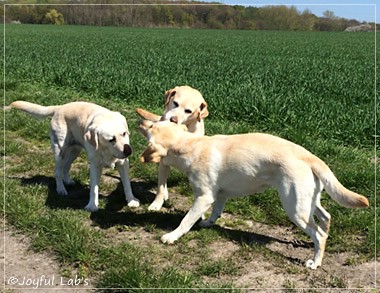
x=316 y=89
x=308 y=87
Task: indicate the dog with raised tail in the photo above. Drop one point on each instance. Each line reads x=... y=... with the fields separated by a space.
x=227 y=166
x=102 y=133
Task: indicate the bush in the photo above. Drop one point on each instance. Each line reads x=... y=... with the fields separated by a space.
x=54 y=17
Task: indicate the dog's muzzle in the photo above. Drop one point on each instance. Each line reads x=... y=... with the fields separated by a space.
x=127 y=150
x=174 y=119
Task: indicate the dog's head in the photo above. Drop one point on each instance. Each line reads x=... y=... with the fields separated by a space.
x=109 y=133
x=162 y=137
x=184 y=105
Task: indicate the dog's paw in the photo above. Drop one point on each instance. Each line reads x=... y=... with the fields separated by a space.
x=134 y=203
x=156 y=205
x=62 y=191
x=206 y=223
x=69 y=181
x=169 y=238
x=91 y=208
x=311 y=264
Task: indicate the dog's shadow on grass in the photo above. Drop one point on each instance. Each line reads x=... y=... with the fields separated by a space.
x=76 y=199
x=168 y=221
x=115 y=212
x=78 y=194
x=262 y=242
x=112 y=215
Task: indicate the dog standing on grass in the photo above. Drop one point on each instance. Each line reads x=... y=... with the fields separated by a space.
x=221 y=167
x=102 y=133
x=183 y=105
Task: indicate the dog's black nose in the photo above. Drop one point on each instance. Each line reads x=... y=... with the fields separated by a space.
x=174 y=119
x=127 y=150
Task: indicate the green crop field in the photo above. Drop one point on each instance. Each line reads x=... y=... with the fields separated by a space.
x=316 y=89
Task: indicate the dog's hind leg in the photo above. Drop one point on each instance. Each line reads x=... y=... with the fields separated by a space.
x=318 y=236
x=123 y=169
x=58 y=173
x=324 y=217
x=299 y=201
x=57 y=143
x=69 y=156
x=216 y=212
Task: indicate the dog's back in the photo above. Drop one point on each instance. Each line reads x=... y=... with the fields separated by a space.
x=68 y=120
x=75 y=112
x=73 y=109
x=267 y=159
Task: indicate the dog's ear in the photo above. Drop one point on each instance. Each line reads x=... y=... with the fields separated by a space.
x=203 y=111
x=169 y=94
x=144 y=126
x=148 y=115
x=152 y=154
x=92 y=137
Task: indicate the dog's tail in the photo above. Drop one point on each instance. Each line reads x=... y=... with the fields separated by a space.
x=35 y=110
x=334 y=188
x=148 y=115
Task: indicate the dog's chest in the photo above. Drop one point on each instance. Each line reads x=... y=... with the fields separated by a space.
x=108 y=160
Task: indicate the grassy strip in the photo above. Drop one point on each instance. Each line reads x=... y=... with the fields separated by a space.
x=83 y=249
x=60 y=225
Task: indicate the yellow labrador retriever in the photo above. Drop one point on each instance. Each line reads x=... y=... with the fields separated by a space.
x=102 y=133
x=221 y=167
x=183 y=105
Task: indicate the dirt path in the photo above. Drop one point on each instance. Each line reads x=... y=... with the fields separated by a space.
x=26 y=271
x=285 y=269
x=289 y=271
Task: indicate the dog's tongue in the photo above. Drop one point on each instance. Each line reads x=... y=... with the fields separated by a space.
x=127 y=150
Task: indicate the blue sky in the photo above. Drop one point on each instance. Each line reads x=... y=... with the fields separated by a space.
x=362 y=10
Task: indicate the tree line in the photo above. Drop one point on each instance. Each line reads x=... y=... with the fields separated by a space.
x=181 y=14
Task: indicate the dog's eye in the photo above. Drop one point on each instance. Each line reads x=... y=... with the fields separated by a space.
x=187 y=111
x=124 y=133
x=113 y=139
x=175 y=104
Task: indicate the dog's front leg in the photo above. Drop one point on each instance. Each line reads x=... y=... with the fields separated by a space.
x=162 y=192
x=95 y=172
x=201 y=205
x=123 y=169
